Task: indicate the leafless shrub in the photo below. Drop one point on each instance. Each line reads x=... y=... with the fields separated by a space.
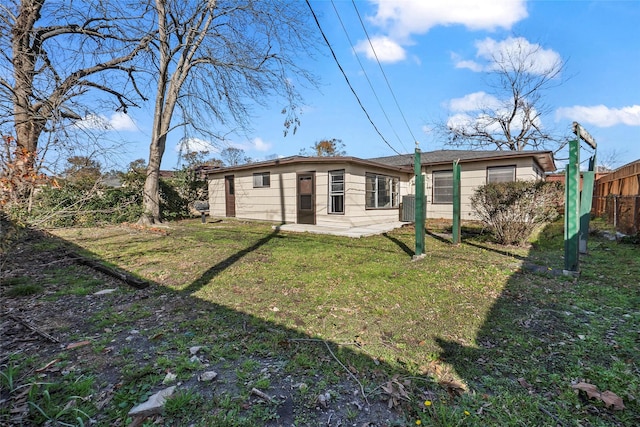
x=513 y=210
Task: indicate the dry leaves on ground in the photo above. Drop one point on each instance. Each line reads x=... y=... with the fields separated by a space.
x=609 y=398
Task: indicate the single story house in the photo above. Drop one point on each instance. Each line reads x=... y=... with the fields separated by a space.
x=349 y=191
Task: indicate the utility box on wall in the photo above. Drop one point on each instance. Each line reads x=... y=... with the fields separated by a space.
x=409 y=208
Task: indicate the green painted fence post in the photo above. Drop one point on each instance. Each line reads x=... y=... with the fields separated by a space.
x=576 y=209
x=420 y=211
x=572 y=209
x=586 y=200
x=456 y=202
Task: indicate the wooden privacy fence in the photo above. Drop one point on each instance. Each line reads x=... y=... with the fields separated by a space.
x=617 y=198
x=621 y=211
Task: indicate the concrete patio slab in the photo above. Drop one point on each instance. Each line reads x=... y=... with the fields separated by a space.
x=356 y=232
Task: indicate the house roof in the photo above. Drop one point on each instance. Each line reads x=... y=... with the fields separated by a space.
x=312 y=160
x=439 y=157
x=403 y=162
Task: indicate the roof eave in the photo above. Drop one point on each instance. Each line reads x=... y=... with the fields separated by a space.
x=308 y=160
x=543 y=158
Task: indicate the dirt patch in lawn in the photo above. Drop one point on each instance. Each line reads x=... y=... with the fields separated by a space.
x=81 y=346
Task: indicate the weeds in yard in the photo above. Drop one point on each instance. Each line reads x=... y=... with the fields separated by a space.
x=65 y=403
x=20 y=287
x=182 y=406
x=137 y=387
x=8 y=376
x=443 y=414
x=467 y=328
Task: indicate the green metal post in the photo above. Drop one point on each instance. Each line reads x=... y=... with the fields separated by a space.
x=586 y=200
x=572 y=209
x=456 y=202
x=420 y=211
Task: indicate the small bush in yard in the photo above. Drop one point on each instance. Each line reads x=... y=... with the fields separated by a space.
x=513 y=210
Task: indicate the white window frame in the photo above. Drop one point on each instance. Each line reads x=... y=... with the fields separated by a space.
x=374 y=184
x=442 y=192
x=500 y=174
x=336 y=192
x=262 y=180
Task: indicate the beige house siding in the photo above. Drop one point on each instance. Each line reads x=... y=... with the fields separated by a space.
x=472 y=175
x=278 y=201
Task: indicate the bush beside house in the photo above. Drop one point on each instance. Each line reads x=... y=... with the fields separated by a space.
x=513 y=210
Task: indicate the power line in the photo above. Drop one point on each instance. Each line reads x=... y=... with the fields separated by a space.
x=381 y=69
x=347 y=79
x=366 y=75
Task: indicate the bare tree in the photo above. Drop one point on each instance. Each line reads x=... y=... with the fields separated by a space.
x=609 y=160
x=215 y=59
x=510 y=116
x=326 y=148
x=232 y=156
x=55 y=53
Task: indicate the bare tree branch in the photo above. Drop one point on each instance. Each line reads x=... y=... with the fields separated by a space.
x=215 y=61
x=51 y=64
x=510 y=116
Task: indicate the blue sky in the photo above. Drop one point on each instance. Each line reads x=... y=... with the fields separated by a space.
x=433 y=54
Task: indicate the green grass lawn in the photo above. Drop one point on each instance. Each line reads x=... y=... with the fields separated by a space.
x=329 y=287
x=505 y=345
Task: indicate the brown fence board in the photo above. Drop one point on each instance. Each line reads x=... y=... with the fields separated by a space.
x=616 y=197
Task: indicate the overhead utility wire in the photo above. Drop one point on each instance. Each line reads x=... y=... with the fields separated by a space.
x=347 y=79
x=366 y=75
x=383 y=73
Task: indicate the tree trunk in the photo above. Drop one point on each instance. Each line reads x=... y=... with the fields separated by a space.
x=151 y=195
x=27 y=127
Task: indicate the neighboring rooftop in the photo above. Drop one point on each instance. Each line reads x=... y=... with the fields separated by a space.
x=403 y=161
x=544 y=158
x=306 y=159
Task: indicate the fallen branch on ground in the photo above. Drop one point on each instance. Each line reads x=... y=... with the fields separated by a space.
x=33 y=328
x=364 y=395
x=111 y=271
x=262 y=395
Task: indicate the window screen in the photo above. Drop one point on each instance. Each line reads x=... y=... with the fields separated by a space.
x=381 y=191
x=262 y=179
x=443 y=187
x=501 y=174
x=336 y=191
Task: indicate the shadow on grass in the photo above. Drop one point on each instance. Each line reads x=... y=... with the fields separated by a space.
x=492 y=249
x=545 y=333
x=406 y=249
x=212 y=272
x=437 y=237
x=541 y=334
x=249 y=353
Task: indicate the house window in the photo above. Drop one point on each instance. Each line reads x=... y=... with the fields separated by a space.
x=262 y=179
x=443 y=187
x=381 y=191
x=336 y=192
x=501 y=174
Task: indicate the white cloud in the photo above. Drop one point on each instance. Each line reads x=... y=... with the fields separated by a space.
x=480 y=110
x=479 y=121
x=117 y=121
x=466 y=63
x=474 y=102
x=427 y=129
x=93 y=121
x=513 y=50
x=261 y=145
x=192 y=145
x=122 y=121
x=398 y=21
x=459 y=120
x=601 y=115
x=403 y=18
x=386 y=49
